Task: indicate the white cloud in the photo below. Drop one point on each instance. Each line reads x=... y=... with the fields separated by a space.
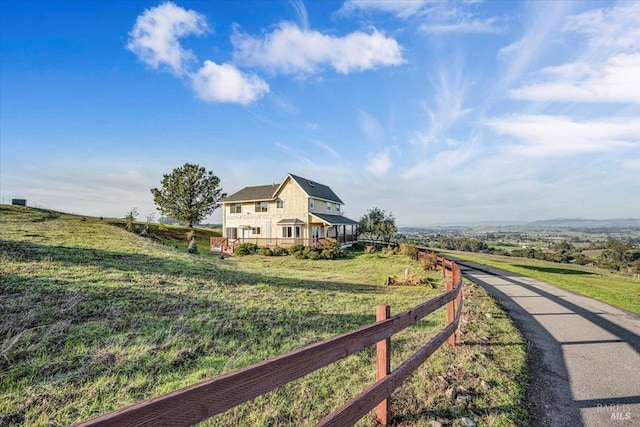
x=312 y=125
x=615 y=80
x=291 y=50
x=555 y=136
x=225 y=83
x=400 y=8
x=616 y=27
x=154 y=37
x=378 y=163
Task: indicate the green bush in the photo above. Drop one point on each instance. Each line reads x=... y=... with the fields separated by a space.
x=265 y=252
x=409 y=250
x=299 y=255
x=246 y=249
x=308 y=250
x=296 y=248
x=358 y=246
x=331 y=244
x=278 y=251
x=314 y=255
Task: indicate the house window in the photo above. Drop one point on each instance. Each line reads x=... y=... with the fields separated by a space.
x=328 y=206
x=255 y=230
x=262 y=206
x=311 y=204
x=289 y=231
x=279 y=203
x=232 y=233
x=337 y=207
x=235 y=208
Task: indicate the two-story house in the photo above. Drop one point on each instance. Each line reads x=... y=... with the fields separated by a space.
x=298 y=210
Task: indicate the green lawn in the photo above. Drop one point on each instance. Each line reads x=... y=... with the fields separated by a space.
x=95 y=318
x=614 y=289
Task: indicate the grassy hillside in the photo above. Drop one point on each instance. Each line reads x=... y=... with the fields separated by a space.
x=603 y=285
x=95 y=318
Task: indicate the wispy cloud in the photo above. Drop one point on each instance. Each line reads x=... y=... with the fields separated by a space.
x=156 y=33
x=554 y=136
x=400 y=8
x=544 y=20
x=435 y=17
x=608 y=68
x=446 y=108
x=291 y=50
x=616 y=27
x=312 y=125
x=371 y=127
x=301 y=13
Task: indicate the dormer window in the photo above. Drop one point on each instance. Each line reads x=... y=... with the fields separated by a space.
x=337 y=207
x=328 y=206
x=311 y=204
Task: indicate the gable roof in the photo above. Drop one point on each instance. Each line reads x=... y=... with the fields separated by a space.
x=315 y=189
x=268 y=192
x=250 y=194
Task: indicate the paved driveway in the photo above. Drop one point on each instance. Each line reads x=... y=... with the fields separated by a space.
x=584 y=354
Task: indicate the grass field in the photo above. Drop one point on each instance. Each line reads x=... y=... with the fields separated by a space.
x=95 y=318
x=614 y=289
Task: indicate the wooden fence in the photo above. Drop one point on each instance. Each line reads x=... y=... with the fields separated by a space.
x=203 y=400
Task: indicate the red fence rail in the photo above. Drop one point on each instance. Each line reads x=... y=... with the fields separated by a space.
x=203 y=400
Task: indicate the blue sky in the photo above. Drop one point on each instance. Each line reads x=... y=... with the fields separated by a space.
x=439 y=112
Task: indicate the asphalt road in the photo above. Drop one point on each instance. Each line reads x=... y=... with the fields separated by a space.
x=584 y=355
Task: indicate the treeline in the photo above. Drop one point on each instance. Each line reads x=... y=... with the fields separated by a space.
x=621 y=255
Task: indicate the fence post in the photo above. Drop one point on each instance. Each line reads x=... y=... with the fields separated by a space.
x=383 y=363
x=451 y=313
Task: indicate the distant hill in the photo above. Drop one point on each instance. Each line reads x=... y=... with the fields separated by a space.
x=588 y=223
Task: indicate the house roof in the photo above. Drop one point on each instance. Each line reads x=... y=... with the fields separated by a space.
x=335 y=219
x=268 y=192
x=249 y=194
x=316 y=190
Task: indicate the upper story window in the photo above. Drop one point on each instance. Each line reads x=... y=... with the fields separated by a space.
x=279 y=203
x=262 y=206
x=235 y=208
x=328 y=206
x=337 y=207
x=311 y=204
